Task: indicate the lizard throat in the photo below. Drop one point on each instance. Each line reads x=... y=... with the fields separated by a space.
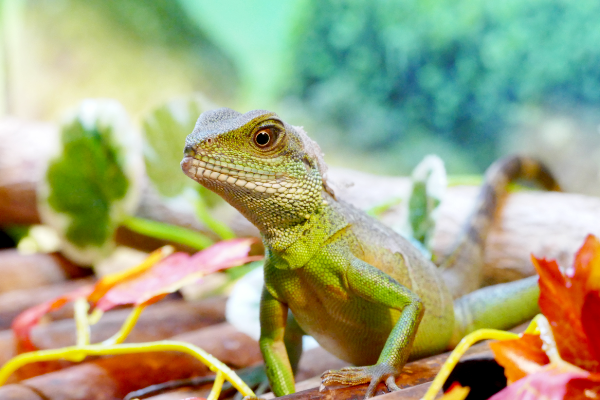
x=273 y=201
x=210 y=170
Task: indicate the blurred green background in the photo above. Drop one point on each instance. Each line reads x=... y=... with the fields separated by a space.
x=379 y=84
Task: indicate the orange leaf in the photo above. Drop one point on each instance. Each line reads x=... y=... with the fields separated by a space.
x=520 y=357
x=25 y=321
x=142 y=284
x=175 y=271
x=109 y=281
x=552 y=384
x=561 y=301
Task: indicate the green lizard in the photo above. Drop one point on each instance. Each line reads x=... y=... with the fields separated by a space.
x=360 y=289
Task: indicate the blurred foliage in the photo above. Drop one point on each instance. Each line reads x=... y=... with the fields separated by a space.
x=428 y=188
x=256 y=37
x=93 y=183
x=400 y=71
x=88 y=178
x=165 y=23
x=379 y=84
x=138 y=52
x=165 y=129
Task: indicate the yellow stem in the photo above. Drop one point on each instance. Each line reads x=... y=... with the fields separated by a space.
x=78 y=353
x=460 y=393
x=95 y=316
x=82 y=327
x=217 y=386
x=533 y=328
x=112 y=279
x=459 y=351
x=126 y=328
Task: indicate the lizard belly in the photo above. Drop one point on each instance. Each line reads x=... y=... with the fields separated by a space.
x=348 y=326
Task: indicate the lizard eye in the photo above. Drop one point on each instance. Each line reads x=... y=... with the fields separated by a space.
x=263 y=137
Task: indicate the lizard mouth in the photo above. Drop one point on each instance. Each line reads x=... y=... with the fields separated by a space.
x=214 y=170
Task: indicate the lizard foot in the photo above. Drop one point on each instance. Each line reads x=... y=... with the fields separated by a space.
x=351 y=376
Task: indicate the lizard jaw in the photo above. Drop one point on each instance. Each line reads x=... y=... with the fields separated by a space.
x=220 y=172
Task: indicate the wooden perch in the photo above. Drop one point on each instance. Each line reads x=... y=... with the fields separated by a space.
x=549 y=225
x=114 y=377
x=414 y=374
x=13 y=302
x=20 y=271
x=161 y=321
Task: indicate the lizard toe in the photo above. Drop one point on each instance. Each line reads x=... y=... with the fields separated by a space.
x=351 y=376
x=348 y=376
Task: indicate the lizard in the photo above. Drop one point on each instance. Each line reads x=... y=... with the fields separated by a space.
x=363 y=291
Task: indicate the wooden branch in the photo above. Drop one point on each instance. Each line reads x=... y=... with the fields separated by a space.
x=414 y=374
x=114 y=377
x=13 y=302
x=159 y=322
x=549 y=225
x=27 y=271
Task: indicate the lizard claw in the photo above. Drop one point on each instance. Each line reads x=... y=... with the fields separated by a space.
x=374 y=374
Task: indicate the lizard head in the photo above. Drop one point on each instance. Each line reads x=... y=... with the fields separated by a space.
x=272 y=172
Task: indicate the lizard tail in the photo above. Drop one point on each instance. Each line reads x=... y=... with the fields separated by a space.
x=462 y=269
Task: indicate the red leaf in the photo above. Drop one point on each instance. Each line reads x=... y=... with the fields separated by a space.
x=520 y=357
x=143 y=284
x=25 y=321
x=550 y=384
x=175 y=271
x=584 y=388
x=590 y=317
x=562 y=299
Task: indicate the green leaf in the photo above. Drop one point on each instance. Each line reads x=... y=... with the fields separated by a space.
x=429 y=184
x=91 y=186
x=165 y=130
x=168 y=232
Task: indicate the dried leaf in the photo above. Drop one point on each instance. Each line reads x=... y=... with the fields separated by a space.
x=143 y=284
x=590 y=317
x=584 y=388
x=175 y=271
x=520 y=357
x=561 y=301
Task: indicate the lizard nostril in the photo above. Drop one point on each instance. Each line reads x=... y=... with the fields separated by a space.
x=189 y=151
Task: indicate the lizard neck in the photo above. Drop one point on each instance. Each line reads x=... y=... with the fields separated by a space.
x=296 y=245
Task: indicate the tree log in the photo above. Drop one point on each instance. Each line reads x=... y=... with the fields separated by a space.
x=13 y=302
x=551 y=225
x=27 y=271
x=158 y=322
x=113 y=377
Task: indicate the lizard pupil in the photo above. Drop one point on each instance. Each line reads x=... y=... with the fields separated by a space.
x=262 y=138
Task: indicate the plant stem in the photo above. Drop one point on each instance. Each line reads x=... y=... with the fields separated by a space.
x=172 y=233
x=202 y=212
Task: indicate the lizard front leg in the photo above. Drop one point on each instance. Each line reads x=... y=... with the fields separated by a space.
x=375 y=286
x=273 y=316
